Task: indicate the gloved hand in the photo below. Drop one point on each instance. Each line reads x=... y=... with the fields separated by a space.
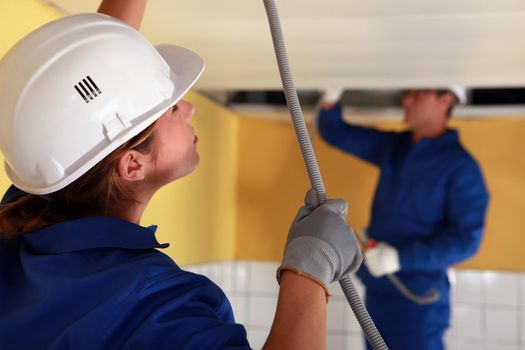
x=381 y=260
x=320 y=244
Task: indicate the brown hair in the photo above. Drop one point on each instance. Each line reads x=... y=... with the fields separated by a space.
x=98 y=192
x=455 y=100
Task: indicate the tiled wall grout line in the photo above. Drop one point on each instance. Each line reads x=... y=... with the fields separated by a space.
x=246 y=294
x=342 y=332
x=520 y=312
x=483 y=307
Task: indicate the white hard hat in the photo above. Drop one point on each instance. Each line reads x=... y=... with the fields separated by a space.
x=460 y=93
x=77 y=88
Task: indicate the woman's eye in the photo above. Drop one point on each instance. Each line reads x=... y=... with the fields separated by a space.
x=175 y=108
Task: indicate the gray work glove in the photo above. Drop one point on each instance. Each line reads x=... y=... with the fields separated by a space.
x=320 y=244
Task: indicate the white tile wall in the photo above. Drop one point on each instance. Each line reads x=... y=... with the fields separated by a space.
x=467 y=324
x=354 y=342
x=501 y=288
x=262 y=279
x=502 y=326
x=521 y=288
x=238 y=303
x=240 y=277
x=521 y=324
x=488 y=307
x=468 y=287
x=335 y=341
x=336 y=310
x=257 y=337
x=261 y=310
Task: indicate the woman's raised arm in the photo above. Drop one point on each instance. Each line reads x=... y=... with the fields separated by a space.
x=129 y=11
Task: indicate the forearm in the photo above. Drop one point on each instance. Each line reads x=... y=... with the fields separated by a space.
x=128 y=11
x=366 y=143
x=461 y=238
x=441 y=251
x=300 y=319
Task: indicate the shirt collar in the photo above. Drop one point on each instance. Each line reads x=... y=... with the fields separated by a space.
x=450 y=136
x=91 y=233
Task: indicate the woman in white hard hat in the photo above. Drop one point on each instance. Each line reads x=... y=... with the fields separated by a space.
x=92 y=124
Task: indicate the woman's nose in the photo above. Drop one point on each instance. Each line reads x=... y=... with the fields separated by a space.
x=187 y=107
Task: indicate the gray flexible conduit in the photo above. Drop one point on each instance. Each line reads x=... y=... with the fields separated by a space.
x=368 y=326
x=430 y=297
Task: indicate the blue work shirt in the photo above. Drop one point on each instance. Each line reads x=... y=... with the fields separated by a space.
x=430 y=201
x=101 y=283
x=430 y=204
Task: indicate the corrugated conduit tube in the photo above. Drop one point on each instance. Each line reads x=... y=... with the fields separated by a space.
x=368 y=326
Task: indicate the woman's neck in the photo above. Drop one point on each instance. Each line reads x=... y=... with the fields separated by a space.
x=133 y=213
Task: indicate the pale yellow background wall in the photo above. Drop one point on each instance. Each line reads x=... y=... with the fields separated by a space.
x=195 y=214
x=19 y=17
x=272 y=181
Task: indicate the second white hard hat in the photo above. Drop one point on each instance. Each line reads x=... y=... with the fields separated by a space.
x=77 y=88
x=460 y=93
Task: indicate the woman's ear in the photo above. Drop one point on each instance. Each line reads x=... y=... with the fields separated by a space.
x=132 y=166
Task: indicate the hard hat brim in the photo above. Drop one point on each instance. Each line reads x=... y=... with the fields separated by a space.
x=186 y=67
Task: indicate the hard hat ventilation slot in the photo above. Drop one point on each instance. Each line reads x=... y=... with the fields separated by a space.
x=87 y=89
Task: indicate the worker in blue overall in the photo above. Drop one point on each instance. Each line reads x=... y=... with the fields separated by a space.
x=428 y=211
x=92 y=124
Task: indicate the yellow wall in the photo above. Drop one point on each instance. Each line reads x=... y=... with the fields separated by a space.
x=195 y=214
x=19 y=17
x=272 y=181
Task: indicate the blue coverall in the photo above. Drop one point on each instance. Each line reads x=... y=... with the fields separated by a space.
x=430 y=204
x=101 y=283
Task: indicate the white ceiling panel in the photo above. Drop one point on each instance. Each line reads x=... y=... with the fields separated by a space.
x=345 y=43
